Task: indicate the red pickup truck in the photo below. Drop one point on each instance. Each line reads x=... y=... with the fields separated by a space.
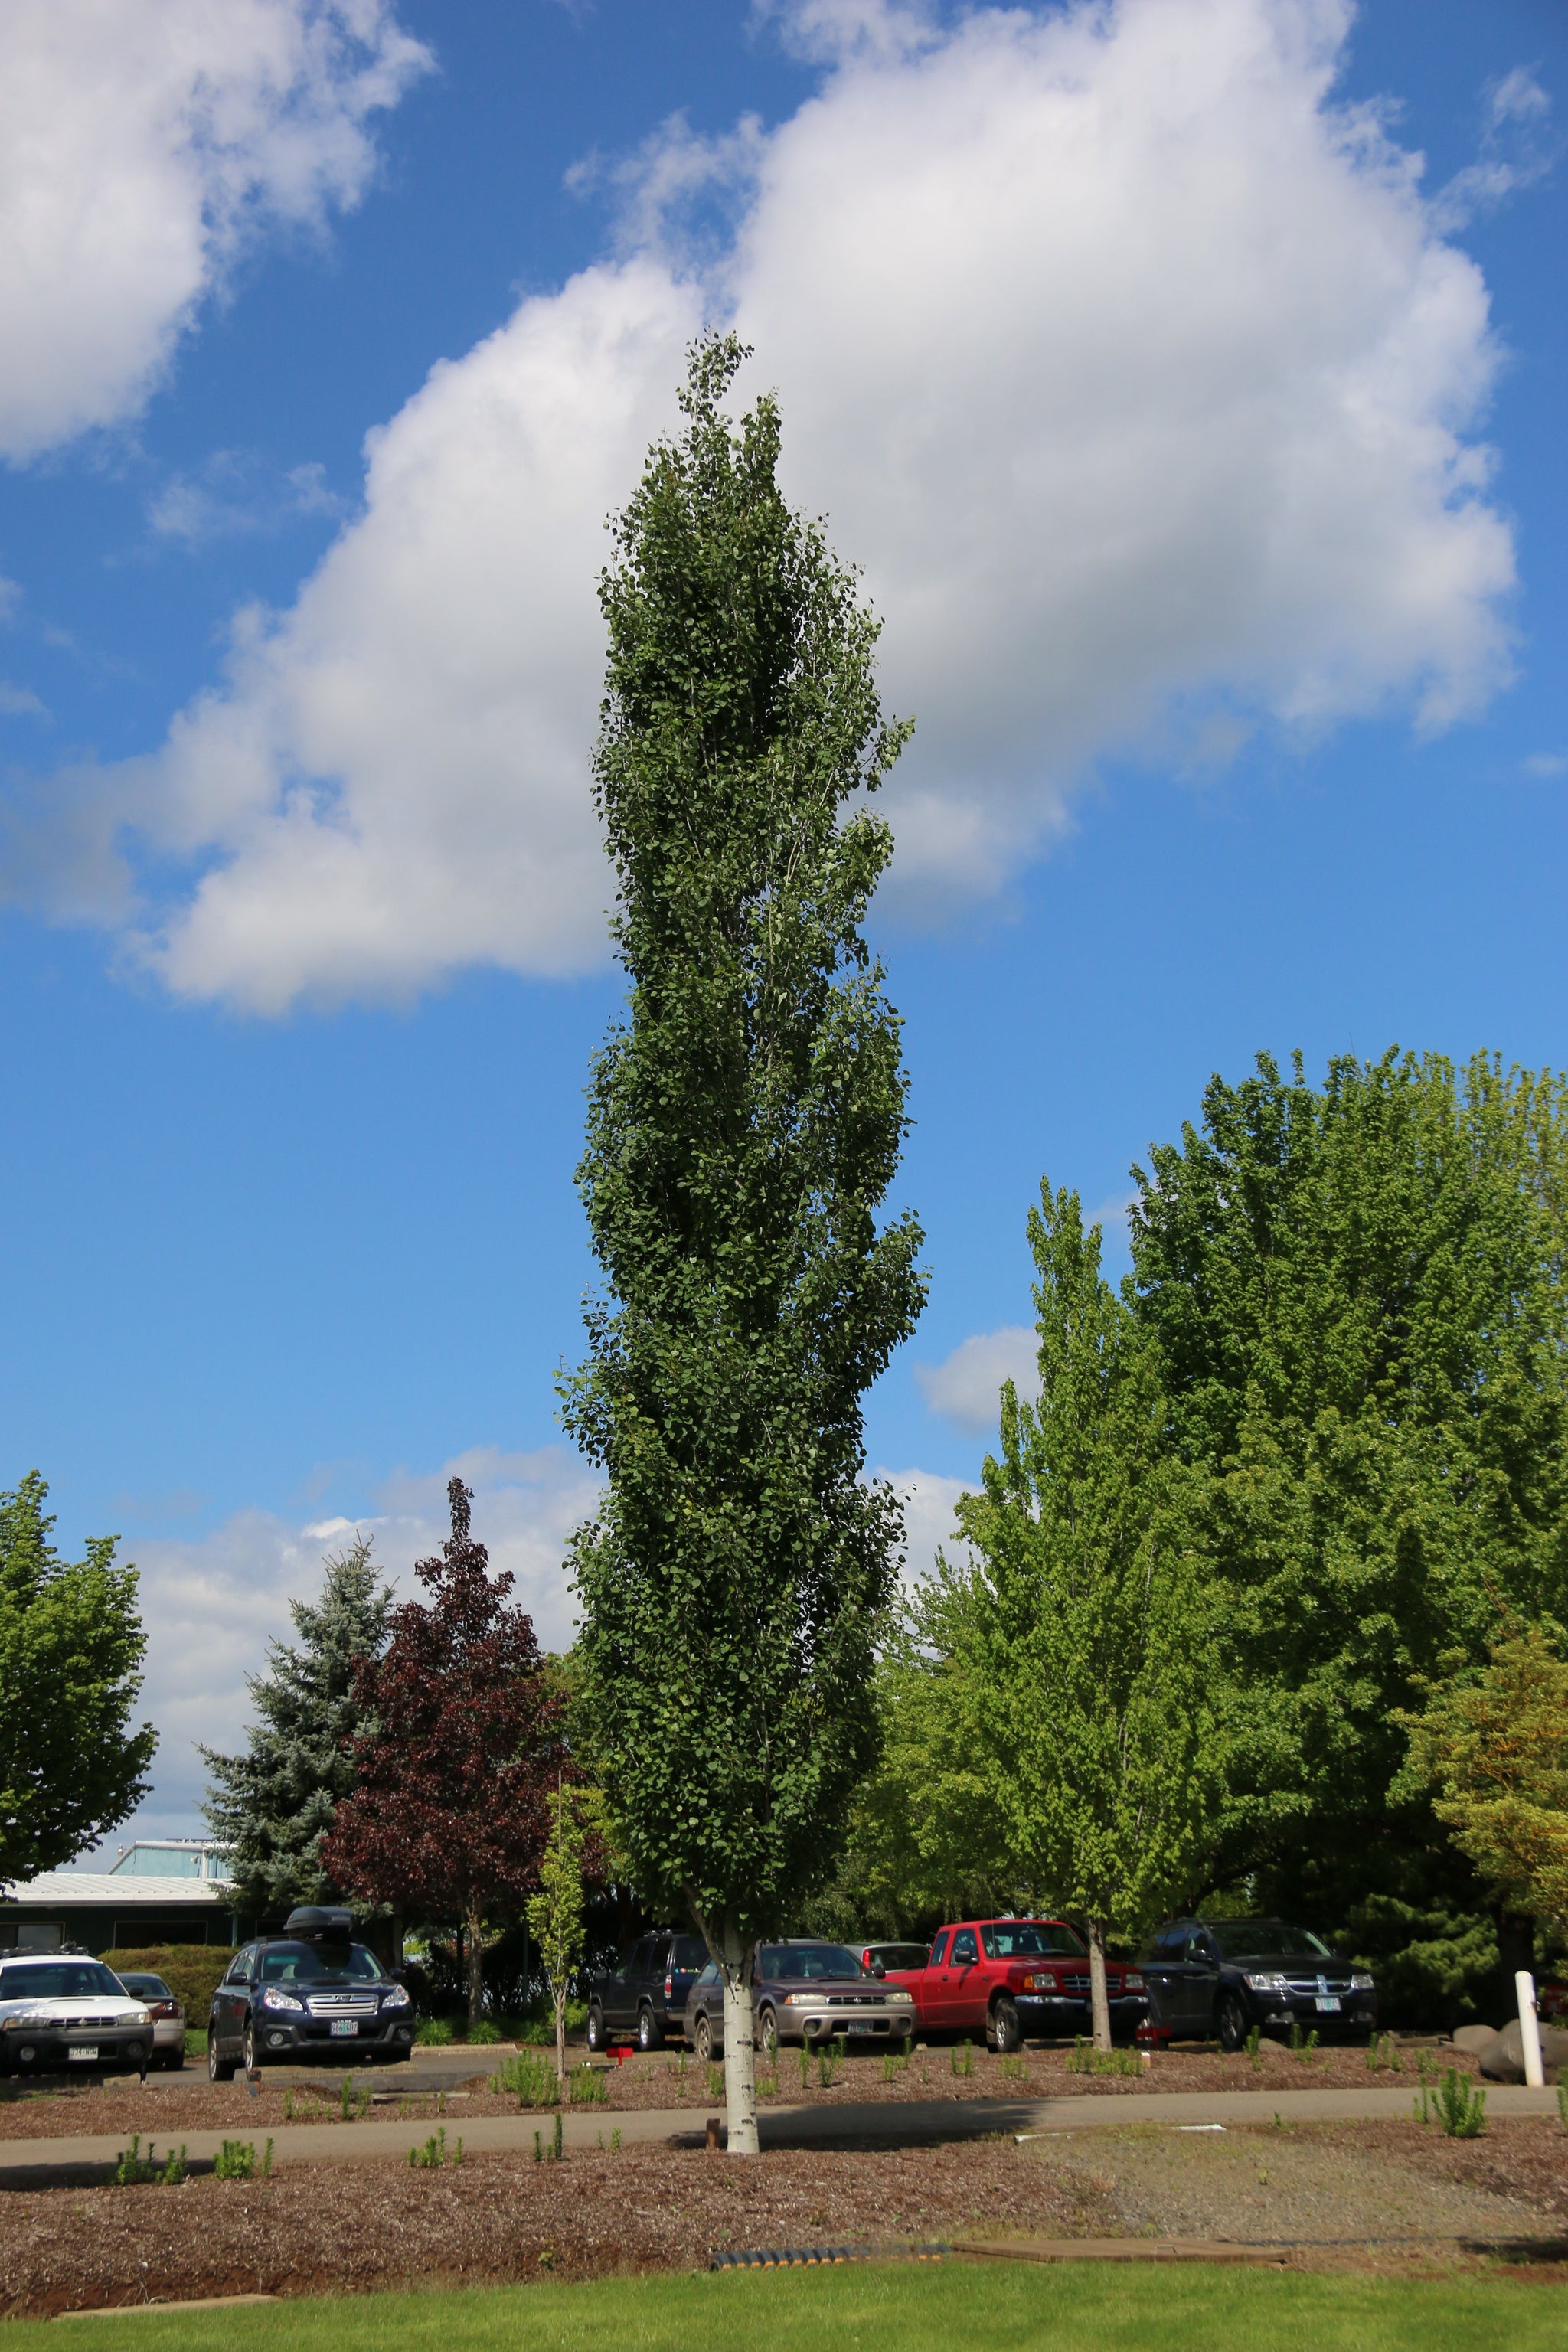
x=1012 y=1977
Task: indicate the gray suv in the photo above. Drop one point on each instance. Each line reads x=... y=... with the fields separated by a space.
x=644 y=1999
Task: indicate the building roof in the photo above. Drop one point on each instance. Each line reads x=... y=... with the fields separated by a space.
x=56 y=1890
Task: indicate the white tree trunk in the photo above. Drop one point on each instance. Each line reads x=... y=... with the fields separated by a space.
x=1099 y=1999
x=740 y=2045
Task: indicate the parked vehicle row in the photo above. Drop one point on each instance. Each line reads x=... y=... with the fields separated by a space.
x=1005 y=1977
x=70 y=2010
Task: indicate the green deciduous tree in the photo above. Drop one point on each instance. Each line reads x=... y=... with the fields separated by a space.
x=274 y=1803
x=744 y=1125
x=71 y=1647
x=1069 y=1696
x=558 y=1913
x=1357 y=1294
x=1492 y=1749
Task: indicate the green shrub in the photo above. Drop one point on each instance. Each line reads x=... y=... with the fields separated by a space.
x=485 y=2032
x=236 y=2161
x=529 y=2080
x=434 y=2153
x=1461 y=2111
x=588 y=2086
x=133 y=2168
x=1083 y=2058
x=192 y=1972
x=434 y=2033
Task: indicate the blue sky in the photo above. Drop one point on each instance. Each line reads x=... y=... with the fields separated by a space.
x=1206 y=458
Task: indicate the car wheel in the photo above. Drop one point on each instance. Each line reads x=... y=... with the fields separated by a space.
x=1006 y=2028
x=252 y=2055
x=594 y=2030
x=650 y=2033
x=1233 y=2025
x=219 y=2070
x=768 y=2035
x=702 y=2039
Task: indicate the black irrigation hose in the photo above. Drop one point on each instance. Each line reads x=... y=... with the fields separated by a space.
x=789 y=2258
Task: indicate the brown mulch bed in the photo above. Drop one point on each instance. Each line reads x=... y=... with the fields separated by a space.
x=315 y=2230
x=191 y=2103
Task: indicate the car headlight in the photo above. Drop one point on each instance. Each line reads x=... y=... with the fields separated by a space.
x=1133 y=1981
x=802 y=2000
x=27 y=2020
x=896 y=1992
x=1266 y=1980
x=1362 y=1980
x=276 y=1998
x=398 y=1998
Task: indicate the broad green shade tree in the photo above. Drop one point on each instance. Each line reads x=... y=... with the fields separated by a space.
x=745 y=1122
x=71 y=1646
x=1357 y=1295
x=1492 y=1748
x=273 y=1804
x=1071 y=1663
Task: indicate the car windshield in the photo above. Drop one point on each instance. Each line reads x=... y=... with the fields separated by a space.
x=305 y=1964
x=690 y=1952
x=147 y=1987
x=1019 y=1939
x=809 y=1960
x=1266 y=1939
x=58 y=1980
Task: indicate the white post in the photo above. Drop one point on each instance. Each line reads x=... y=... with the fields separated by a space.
x=1530 y=2031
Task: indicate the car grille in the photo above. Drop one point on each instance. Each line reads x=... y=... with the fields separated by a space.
x=1305 y=1988
x=76 y=2024
x=1075 y=1982
x=854 y=2000
x=340 y=2004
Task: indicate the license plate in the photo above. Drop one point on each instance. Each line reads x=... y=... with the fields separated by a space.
x=1327 y=2001
x=347 y=2025
x=82 y=2050
x=860 y=2025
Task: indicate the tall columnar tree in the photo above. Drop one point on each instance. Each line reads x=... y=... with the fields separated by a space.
x=1070 y=1666
x=1359 y=1294
x=448 y=1817
x=71 y=1646
x=273 y=1804
x=745 y=1122
x=557 y=1913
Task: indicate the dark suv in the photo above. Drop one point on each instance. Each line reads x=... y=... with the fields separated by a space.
x=1227 y=1976
x=311 y=1993
x=646 y=1996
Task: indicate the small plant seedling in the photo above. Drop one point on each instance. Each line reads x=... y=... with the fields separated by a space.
x=962 y=2058
x=1013 y=2069
x=538 y=2151
x=1461 y=2111
x=804 y=2070
x=1083 y=2058
x=236 y=2161
x=133 y=2168
x=1253 y=2043
x=555 y=2151
x=434 y=2154
x=353 y=2100
x=588 y=2088
x=1562 y=2105
x=616 y=2141
x=532 y=2081
x=829 y=2061
x=715 y=2082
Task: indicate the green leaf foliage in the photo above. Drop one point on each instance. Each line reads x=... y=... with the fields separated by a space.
x=71 y=1647
x=274 y=1803
x=745 y=1122
x=1357 y=1295
x=1055 y=1710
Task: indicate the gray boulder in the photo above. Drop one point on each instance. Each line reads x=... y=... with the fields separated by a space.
x=1502 y=2060
x=1472 y=2038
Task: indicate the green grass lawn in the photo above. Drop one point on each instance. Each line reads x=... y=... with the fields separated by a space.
x=1076 y=2308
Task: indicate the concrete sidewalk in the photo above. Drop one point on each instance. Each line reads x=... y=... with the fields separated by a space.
x=83 y=2160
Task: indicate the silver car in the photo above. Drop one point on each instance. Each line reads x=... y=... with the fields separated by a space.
x=810 y=1992
x=167 y=2013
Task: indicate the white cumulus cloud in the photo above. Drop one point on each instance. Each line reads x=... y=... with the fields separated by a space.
x=140 y=142
x=966 y=1387
x=1139 y=377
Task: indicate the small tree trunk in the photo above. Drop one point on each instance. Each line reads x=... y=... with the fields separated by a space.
x=475 y=1953
x=560 y=1992
x=739 y=2044
x=1099 y=1999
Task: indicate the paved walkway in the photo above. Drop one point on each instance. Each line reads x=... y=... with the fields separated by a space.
x=79 y=2160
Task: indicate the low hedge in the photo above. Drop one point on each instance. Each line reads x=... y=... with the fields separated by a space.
x=191 y=1971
